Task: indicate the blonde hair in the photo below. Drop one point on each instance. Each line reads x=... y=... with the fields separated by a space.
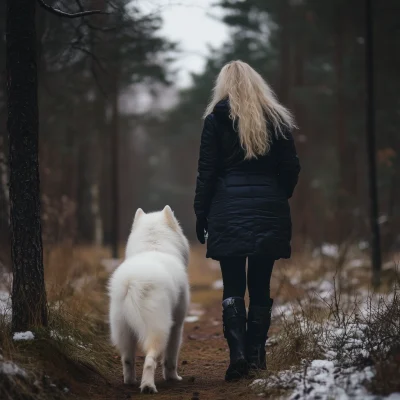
x=252 y=103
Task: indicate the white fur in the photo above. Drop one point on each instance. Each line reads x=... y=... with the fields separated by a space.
x=149 y=295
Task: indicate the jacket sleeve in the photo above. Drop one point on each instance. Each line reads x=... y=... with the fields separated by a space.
x=288 y=164
x=207 y=168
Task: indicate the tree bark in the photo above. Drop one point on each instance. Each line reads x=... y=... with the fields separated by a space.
x=115 y=164
x=284 y=79
x=28 y=293
x=376 y=256
x=347 y=155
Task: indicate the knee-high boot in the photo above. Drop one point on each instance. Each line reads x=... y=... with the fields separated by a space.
x=234 y=319
x=258 y=323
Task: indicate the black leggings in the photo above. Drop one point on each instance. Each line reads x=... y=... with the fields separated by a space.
x=258 y=278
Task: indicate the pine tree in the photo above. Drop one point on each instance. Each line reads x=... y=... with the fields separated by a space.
x=28 y=294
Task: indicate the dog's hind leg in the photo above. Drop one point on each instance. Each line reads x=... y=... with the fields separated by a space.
x=171 y=354
x=127 y=345
x=154 y=348
x=170 y=364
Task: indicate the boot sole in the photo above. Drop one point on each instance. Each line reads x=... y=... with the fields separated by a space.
x=237 y=371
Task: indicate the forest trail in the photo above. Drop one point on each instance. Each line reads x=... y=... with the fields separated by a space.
x=204 y=355
x=202 y=365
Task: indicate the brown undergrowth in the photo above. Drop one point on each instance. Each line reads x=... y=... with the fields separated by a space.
x=74 y=359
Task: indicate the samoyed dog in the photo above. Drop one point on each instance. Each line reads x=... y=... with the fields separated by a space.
x=149 y=297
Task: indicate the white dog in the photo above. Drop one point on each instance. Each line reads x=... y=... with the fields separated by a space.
x=149 y=295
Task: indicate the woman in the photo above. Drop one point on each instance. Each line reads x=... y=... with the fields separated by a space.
x=247 y=171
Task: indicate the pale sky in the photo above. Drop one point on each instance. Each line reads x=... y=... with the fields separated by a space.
x=194 y=25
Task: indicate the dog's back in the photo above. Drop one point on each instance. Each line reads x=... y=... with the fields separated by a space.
x=145 y=290
x=149 y=295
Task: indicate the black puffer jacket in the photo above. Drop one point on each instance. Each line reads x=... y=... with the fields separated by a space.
x=245 y=201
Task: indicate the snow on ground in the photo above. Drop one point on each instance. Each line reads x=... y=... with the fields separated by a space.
x=394 y=396
x=9 y=368
x=195 y=312
x=5 y=303
x=191 y=318
x=330 y=250
x=345 y=367
x=340 y=374
x=356 y=263
x=5 y=297
x=218 y=284
x=56 y=335
x=28 y=335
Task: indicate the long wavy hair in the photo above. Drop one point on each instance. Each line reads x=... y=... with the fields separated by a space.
x=252 y=104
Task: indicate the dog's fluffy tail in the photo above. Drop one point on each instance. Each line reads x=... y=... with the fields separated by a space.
x=142 y=307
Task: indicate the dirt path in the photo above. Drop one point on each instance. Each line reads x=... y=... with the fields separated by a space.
x=202 y=365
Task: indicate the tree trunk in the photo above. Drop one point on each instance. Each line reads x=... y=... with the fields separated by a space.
x=345 y=198
x=115 y=165
x=284 y=79
x=28 y=293
x=376 y=256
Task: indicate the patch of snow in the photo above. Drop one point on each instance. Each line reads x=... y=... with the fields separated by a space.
x=5 y=303
x=191 y=318
x=10 y=368
x=56 y=335
x=341 y=372
x=323 y=380
x=271 y=341
x=217 y=285
x=363 y=245
x=325 y=289
x=394 y=396
x=28 y=335
x=330 y=250
x=356 y=263
x=195 y=309
x=57 y=305
x=197 y=312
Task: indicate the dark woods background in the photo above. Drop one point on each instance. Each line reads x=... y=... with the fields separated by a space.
x=107 y=88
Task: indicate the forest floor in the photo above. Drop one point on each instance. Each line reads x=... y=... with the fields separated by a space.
x=204 y=353
x=331 y=337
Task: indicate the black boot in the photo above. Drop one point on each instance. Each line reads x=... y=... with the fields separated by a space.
x=234 y=318
x=259 y=320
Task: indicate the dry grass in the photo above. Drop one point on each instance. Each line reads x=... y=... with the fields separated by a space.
x=302 y=334
x=75 y=352
x=75 y=349
x=383 y=343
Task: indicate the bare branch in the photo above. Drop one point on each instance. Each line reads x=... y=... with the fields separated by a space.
x=91 y=26
x=64 y=14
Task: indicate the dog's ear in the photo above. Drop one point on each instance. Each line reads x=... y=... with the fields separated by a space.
x=169 y=217
x=139 y=213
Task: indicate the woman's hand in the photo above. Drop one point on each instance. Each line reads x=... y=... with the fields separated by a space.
x=201 y=229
